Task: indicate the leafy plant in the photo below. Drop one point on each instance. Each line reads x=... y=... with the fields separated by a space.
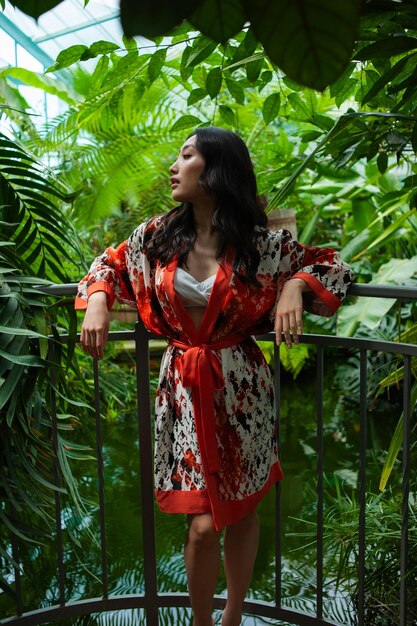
x=34 y=240
x=382 y=550
x=305 y=40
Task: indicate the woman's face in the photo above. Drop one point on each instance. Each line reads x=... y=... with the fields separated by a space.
x=186 y=173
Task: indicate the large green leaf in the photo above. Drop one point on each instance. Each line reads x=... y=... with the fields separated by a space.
x=396 y=442
x=186 y=121
x=370 y=311
x=67 y=57
x=308 y=39
x=270 y=107
x=141 y=18
x=214 y=82
x=219 y=20
x=47 y=84
x=35 y=8
x=390 y=46
x=385 y=78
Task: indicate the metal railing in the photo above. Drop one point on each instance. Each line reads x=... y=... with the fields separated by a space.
x=152 y=600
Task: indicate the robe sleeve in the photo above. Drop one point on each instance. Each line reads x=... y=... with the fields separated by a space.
x=114 y=272
x=328 y=277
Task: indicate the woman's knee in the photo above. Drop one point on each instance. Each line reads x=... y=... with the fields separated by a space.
x=247 y=523
x=201 y=531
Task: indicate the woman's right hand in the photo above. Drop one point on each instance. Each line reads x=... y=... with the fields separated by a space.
x=95 y=327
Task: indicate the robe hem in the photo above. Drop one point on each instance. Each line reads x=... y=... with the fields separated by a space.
x=329 y=299
x=225 y=512
x=100 y=285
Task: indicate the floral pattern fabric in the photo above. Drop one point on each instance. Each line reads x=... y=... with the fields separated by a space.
x=215 y=445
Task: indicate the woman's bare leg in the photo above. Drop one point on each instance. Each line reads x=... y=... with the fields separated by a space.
x=240 y=549
x=202 y=562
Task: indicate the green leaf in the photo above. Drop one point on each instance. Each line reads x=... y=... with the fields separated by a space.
x=8 y=387
x=254 y=68
x=299 y=107
x=8 y=330
x=22 y=359
x=413 y=138
x=186 y=121
x=339 y=84
x=185 y=69
x=40 y=81
x=156 y=64
x=366 y=311
x=390 y=46
x=294 y=360
x=129 y=43
x=103 y=47
x=214 y=82
x=382 y=162
x=67 y=57
x=150 y=20
x=385 y=79
x=396 y=442
x=235 y=90
x=196 y=95
x=246 y=48
x=200 y=51
x=270 y=107
x=387 y=233
x=309 y=40
x=227 y=115
x=126 y=68
x=35 y=8
x=370 y=311
x=219 y=20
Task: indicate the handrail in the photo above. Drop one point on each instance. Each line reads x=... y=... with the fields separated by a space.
x=357 y=289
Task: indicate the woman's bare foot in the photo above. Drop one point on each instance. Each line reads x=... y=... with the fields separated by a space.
x=195 y=624
x=230 y=619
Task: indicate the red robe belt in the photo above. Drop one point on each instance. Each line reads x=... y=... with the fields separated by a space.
x=202 y=370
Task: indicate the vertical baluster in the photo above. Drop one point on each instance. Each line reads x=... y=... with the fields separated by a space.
x=278 y=521
x=405 y=490
x=100 y=474
x=362 y=485
x=319 y=469
x=16 y=557
x=146 y=475
x=57 y=478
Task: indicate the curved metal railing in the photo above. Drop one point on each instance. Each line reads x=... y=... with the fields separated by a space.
x=152 y=600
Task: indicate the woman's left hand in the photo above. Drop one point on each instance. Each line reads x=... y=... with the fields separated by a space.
x=289 y=313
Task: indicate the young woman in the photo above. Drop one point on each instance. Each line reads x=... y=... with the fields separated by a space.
x=208 y=275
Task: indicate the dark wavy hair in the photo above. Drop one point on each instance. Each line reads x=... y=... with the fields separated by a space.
x=229 y=176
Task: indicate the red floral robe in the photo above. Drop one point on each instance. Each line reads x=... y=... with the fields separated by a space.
x=215 y=445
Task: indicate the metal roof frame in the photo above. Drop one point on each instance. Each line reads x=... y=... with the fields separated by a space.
x=19 y=36
x=73 y=29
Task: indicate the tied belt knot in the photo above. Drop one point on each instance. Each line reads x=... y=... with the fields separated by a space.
x=201 y=370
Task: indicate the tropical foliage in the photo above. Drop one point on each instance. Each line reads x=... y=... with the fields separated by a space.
x=382 y=550
x=345 y=158
x=35 y=238
x=309 y=41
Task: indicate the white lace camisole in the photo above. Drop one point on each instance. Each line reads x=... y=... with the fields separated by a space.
x=191 y=291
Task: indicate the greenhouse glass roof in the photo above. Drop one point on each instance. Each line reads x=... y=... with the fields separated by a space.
x=67 y=25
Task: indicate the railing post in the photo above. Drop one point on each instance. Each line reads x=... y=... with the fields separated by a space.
x=362 y=484
x=146 y=474
x=57 y=478
x=405 y=490
x=278 y=517
x=16 y=558
x=320 y=460
x=100 y=474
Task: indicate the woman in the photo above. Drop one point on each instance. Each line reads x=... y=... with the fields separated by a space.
x=208 y=275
